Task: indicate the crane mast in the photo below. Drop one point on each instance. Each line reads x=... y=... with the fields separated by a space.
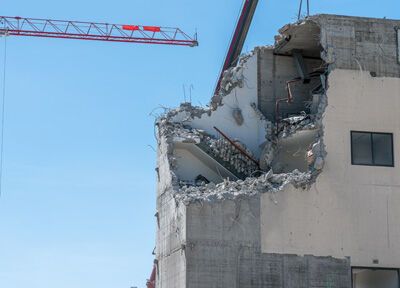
x=66 y=29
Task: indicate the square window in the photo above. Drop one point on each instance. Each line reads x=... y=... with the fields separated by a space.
x=375 y=149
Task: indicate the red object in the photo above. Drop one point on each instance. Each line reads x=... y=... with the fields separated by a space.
x=130 y=27
x=151 y=283
x=18 y=26
x=152 y=28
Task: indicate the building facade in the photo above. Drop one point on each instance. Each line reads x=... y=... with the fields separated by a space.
x=291 y=178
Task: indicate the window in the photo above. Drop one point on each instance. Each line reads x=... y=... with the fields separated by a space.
x=368 y=148
x=375 y=278
x=398 y=44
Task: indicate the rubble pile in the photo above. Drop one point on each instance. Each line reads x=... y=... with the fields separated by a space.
x=184 y=113
x=224 y=150
x=232 y=78
x=291 y=125
x=179 y=132
x=266 y=183
x=174 y=126
x=315 y=156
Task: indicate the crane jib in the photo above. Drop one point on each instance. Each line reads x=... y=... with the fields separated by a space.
x=65 y=29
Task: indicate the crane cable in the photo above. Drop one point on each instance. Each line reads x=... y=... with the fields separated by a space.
x=301 y=9
x=2 y=114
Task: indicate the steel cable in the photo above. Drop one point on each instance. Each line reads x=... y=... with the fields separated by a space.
x=2 y=114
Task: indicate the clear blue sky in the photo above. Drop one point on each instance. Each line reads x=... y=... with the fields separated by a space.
x=78 y=202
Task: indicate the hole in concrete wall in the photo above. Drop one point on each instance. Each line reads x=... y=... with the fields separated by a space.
x=292 y=152
x=289 y=73
x=193 y=166
x=291 y=93
x=375 y=278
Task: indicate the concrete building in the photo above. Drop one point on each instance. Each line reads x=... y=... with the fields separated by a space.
x=291 y=178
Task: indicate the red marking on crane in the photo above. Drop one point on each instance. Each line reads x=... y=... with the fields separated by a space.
x=130 y=27
x=152 y=28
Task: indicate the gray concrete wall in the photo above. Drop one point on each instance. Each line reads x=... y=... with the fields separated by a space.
x=360 y=43
x=217 y=234
x=223 y=250
x=171 y=227
x=351 y=210
x=273 y=72
x=170 y=251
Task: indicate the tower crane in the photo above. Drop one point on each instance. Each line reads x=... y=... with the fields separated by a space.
x=66 y=29
x=78 y=30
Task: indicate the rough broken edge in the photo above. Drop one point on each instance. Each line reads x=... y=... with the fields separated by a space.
x=268 y=182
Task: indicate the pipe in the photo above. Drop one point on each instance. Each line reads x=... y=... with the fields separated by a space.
x=289 y=98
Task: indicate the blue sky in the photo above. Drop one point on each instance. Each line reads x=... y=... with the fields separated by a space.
x=78 y=202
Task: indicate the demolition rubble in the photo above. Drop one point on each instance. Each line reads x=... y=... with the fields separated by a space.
x=253 y=164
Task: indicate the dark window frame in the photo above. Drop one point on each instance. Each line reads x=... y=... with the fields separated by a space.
x=375 y=269
x=372 y=148
x=397 y=29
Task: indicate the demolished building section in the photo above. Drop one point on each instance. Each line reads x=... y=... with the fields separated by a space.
x=263 y=132
x=238 y=140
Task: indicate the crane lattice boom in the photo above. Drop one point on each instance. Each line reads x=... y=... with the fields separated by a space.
x=18 y=26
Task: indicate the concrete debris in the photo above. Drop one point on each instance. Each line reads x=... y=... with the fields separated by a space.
x=315 y=156
x=319 y=163
x=267 y=155
x=266 y=183
x=177 y=132
x=307 y=114
x=296 y=119
x=202 y=190
x=217 y=147
x=232 y=78
x=224 y=150
x=291 y=125
x=187 y=109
